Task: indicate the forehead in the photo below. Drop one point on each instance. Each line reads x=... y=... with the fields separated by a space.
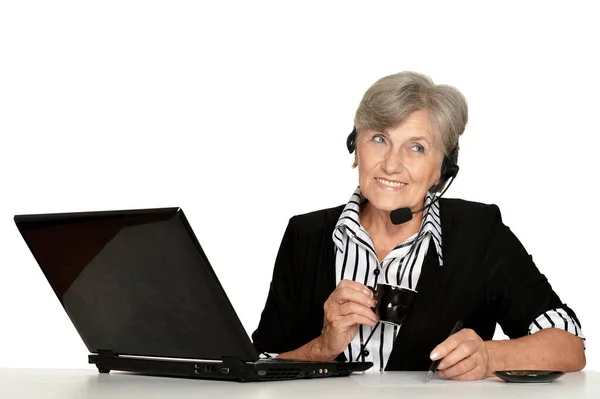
x=416 y=125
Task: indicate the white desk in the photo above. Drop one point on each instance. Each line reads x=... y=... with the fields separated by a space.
x=50 y=384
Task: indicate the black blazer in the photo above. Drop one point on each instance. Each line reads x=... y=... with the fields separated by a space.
x=487 y=278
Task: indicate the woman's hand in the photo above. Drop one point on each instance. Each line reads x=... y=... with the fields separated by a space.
x=465 y=357
x=346 y=308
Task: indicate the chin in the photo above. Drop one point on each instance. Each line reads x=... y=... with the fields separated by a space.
x=385 y=206
x=382 y=201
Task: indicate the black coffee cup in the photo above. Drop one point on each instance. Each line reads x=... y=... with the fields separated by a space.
x=392 y=303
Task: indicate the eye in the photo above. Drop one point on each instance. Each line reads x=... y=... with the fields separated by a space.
x=379 y=139
x=418 y=147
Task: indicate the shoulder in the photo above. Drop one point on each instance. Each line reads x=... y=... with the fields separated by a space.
x=476 y=230
x=475 y=217
x=461 y=207
x=316 y=221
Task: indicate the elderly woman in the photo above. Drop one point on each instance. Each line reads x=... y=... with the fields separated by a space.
x=465 y=264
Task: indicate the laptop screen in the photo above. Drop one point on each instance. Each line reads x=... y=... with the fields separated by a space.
x=136 y=283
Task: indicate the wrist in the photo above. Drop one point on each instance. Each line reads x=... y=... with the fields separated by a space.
x=319 y=352
x=313 y=351
x=495 y=359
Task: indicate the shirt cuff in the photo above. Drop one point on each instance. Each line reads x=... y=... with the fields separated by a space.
x=557 y=318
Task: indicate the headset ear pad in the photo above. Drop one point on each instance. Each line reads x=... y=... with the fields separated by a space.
x=449 y=166
x=351 y=141
x=449 y=169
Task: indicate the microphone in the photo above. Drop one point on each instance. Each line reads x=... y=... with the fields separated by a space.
x=403 y=215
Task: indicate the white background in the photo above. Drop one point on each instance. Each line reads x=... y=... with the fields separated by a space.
x=238 y=113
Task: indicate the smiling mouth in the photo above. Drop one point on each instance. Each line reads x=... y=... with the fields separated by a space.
x=390 y=183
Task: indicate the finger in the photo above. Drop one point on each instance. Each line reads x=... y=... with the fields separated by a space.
x=343 y=295
x=351 y=320
x=462 y=367
x=442 y=350
x=462 y=351
x=451 y=343
x=355 y=285
x=477 y=373
x=356 y=308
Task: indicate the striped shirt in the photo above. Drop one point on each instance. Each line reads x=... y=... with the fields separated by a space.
x=355 y=259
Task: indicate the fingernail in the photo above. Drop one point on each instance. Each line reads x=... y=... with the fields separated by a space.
x=435 y=355
x=367 y=292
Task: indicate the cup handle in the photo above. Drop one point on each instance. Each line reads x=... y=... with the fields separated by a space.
x=374 y=291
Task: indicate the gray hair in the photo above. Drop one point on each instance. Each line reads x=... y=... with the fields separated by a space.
x=392 y=98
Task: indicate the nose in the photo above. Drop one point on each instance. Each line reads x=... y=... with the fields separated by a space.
x=392 y=162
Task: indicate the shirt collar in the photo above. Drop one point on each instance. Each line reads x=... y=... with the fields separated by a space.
x=349 y=217
x=349 y=222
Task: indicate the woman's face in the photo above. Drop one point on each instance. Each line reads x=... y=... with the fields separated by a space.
x=398 y=166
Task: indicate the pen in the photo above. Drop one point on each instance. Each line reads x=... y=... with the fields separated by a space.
x=436 y=363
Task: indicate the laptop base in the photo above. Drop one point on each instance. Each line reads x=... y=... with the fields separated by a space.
x=230 y=369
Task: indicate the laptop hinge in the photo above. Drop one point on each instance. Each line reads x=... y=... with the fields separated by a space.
x=233 y=363
x=106 y=354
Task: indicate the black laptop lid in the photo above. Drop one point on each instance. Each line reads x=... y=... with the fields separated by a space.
x=136 y=283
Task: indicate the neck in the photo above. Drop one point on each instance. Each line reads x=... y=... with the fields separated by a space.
x=378 y=223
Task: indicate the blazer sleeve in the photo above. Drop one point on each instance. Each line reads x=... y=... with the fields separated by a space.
x=275 y=331
x=517 y=292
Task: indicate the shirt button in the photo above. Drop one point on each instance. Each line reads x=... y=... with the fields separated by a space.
x=376 y=272
x=365 y=353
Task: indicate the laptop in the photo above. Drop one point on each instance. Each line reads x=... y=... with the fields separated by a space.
x=144 y=298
